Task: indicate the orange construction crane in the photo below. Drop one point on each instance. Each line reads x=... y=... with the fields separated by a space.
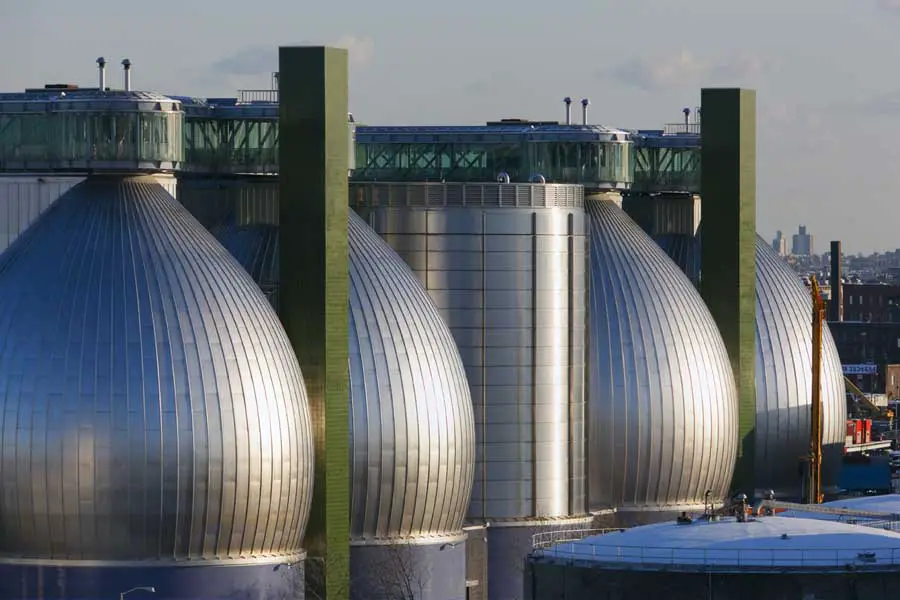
x=814 y=473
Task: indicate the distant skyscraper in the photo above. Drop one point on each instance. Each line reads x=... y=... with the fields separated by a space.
x=779 y=244
x=802 y=243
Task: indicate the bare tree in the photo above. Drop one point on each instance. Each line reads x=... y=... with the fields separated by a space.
x=397 y=576
x=315 y=580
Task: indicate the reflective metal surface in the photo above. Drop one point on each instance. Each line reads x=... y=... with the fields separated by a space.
x=684 y=250
x=256 y=248
x=662 y=400
x=23 y=198
x=413 y=437
x=150 y=404
x=505 y=265
x=784 y=379
x=412 y=434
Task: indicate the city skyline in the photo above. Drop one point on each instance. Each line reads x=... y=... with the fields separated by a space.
x=824 y=123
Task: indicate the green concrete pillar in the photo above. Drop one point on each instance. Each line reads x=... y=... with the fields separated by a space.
x=313 y=154
x=728 y=285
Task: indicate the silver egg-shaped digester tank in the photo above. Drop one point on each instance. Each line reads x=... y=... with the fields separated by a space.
x=412 y=431
x=662 y=400
x=784 y=381
x=154 y=419
x=412 y=442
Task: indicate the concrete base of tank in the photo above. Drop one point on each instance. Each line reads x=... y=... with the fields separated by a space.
x=433 y=569
x=548 y=580
x=83 y=580
x=510 y=543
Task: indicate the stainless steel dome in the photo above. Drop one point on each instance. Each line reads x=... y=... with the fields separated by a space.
x=411 y=421
x=413 y=431
x=662 y=407
x=784 y=379
x=256 y=248
x=151 y=406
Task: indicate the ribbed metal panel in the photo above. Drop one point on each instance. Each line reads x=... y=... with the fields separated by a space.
x=505 y=265
x=684 y=250
x=24 y=198
x=784 y=379
x=256 y=248
x=150 y=404
x=412 y=434
x=662 y=408
x=413 y=437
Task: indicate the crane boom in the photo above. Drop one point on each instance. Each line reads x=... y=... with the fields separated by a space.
x=814 y=475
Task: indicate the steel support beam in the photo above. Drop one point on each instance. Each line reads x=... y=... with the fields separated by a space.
x=314 y=288
x=728 y=254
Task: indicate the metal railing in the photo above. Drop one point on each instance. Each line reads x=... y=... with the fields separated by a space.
x=692 y=559
x=246 y=96
x=545 y=539
x=676 y=128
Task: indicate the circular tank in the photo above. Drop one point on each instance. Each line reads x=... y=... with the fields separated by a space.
x=151 y=407
x=784 y=380
x=662 y=400
x=777 y=558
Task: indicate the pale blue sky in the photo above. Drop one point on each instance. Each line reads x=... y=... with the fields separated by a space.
x=825 y=71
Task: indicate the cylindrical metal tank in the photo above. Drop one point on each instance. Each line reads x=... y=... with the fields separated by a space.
x=662 y=399
x=505 y=264
x=154 y=419
x=412 y=431
x=784 y=381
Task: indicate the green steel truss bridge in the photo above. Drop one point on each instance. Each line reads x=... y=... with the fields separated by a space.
x=240 y=136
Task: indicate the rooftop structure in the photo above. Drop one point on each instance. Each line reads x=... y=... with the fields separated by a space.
x=512 y=150
x=67 y=128
x=763 y=544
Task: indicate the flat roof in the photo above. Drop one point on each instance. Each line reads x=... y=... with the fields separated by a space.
x=888 y=505
x=761 y=544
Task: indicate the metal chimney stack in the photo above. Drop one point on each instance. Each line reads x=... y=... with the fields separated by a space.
x=568 y=102
x=836 y=304
x=126 y=64
x=584 y=104
x=101 y=65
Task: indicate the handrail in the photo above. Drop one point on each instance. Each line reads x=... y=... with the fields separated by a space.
x=545 y=539
x=687 y=558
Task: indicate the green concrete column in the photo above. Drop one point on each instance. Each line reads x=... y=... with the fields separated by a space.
x=728 y=187
x=313 y=154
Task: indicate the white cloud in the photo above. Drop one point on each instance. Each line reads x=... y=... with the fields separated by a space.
x=260 y=60
x=891 y=5
x=685 y=69
x=361 y=50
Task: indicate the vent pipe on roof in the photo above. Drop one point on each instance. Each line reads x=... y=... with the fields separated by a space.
x=101 y=65
x=584 y=104
x=568 y=102
x=126 y=64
